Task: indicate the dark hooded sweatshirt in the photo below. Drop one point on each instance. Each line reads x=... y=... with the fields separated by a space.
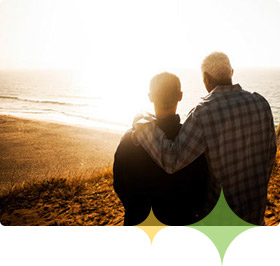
x=176 y=199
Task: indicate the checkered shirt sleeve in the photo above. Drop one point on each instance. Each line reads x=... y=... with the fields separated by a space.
x=173 y=155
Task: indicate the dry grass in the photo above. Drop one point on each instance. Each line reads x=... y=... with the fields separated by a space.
x=90 y=200
x=272 y=214
x=87 y=199
x=63 y=201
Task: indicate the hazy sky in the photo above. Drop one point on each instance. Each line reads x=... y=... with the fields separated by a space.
x=146 y=34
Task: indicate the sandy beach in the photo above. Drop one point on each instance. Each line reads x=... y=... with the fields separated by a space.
x=55 y=174
x=33 y=149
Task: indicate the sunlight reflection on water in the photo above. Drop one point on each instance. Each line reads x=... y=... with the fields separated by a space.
x=112 y=102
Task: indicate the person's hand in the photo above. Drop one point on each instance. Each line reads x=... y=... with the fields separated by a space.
x=142 y=119
x=138 y=122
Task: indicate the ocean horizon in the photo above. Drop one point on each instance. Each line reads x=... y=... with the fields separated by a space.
x=67 y=97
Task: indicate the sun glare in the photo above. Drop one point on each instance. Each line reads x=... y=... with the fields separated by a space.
x=125 y=35
x=118 y=46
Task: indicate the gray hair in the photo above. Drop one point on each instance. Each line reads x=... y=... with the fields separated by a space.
x=217 y=65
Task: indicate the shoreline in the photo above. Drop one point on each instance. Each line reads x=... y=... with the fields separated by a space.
x=35 y=149
x=95 y=125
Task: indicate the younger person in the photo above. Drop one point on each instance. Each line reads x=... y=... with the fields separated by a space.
x=176 y=199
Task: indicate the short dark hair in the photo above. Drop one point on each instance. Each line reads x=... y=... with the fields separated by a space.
x=165 y=89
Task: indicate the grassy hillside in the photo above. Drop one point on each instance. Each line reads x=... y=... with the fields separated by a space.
x=63 y=201
x=90 y=200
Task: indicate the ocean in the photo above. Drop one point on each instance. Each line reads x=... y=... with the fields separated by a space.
x=68 y=97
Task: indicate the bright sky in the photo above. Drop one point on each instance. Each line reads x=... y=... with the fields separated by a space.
x=137 y=35
x=118 y=45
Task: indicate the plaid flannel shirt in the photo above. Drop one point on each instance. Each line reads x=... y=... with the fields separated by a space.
x=235 y=130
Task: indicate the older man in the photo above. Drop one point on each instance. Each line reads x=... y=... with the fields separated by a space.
x=234 y=128
x=177 y=199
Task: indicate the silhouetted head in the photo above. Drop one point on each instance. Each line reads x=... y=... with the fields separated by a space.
x=216 y=70
x=165 y=93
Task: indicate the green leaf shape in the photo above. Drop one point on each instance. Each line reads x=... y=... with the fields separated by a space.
x=222 y=225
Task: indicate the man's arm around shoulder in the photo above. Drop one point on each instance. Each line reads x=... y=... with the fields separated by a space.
x=172 y=155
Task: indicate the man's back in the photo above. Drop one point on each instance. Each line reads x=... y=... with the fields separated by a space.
x=235 y=130
x=176 y=199
x=235 y=125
